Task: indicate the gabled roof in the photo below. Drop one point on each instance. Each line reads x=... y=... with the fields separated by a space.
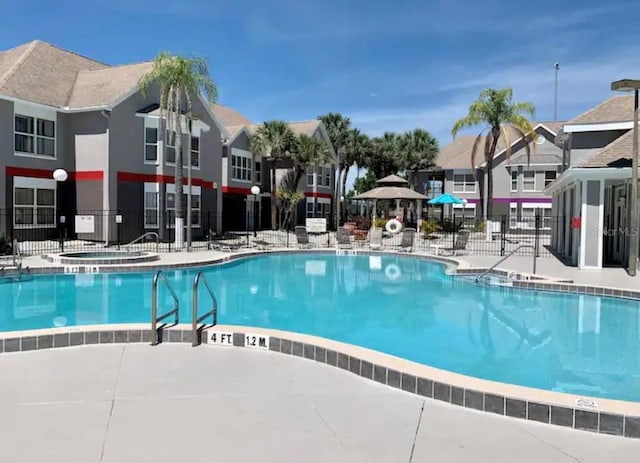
x=305 y=127
x=229 y=117
x=42 y=73
x=457 y=155
x=615 y=154
x=104 y=86
x=618 y=108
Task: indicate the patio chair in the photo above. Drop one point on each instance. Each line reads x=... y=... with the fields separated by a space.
x=375 y=239
x=408 y=235
x=302 y=237
x=460 y=245
x=343 y=238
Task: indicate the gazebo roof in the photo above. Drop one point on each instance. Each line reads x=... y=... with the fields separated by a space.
x=391 y=192
x=391 y=180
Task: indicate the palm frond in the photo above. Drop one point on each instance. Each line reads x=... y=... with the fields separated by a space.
x=474 y=150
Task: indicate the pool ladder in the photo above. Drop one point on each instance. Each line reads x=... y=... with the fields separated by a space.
x=196 y=328
x=509 y=255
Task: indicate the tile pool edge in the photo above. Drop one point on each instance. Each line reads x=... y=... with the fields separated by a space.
x=604 y=416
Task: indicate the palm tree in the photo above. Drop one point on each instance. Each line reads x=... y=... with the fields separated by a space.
x=337 y=127
x=418 y=151
x=275 y=140
x=180 y=80
x=385 y=155
x=307 y=151
x=501 y=117
x=355 y=152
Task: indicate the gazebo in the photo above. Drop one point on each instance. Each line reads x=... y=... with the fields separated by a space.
x=394 y=188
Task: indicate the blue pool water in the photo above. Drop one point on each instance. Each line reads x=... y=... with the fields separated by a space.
x=581 y=344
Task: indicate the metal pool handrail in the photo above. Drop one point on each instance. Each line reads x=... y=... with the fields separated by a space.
x=143 y=236
x=194 y=316
x=507 y=256
x=159 y=276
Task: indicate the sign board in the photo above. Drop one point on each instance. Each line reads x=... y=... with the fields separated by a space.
x=316 y=225
x=118 y=218
x=576 y=222
x=63 y=219
x=586 y=403
x=85 y=224
x=256 y=341
x=221 y=338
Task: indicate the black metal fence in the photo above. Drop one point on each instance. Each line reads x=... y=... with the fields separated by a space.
x=40 y=232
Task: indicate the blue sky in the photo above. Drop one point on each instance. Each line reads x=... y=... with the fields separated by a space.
x=389 y=65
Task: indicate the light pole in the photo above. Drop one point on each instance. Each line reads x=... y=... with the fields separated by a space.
x=629 y=85
x=556 y=66
x=60 y=176
x=255 y=191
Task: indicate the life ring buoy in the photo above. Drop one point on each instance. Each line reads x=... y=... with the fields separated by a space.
x=393 y=226
x=392 y=272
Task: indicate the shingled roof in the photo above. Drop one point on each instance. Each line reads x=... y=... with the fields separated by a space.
x=618 y=108
x=615 y=154
x=229 y=117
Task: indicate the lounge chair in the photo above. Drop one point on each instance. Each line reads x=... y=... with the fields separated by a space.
x=408 y=235
x=375 y=238
x=343 y=238
x=302 y=237
x=460 y=245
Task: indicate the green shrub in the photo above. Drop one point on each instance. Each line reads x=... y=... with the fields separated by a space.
x=430 y=226
x=480 y=226
x=380 y=222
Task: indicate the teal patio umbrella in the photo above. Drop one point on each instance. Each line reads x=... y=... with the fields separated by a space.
x=446 y=198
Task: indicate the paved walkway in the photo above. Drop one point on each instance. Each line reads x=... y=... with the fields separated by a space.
x=136 y=403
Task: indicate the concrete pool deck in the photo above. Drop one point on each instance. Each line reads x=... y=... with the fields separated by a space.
x=121 y=403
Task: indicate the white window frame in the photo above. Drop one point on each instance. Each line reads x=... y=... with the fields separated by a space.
x=195 y=151
x=514 y=180
x=36 y=113
x=168 y=146
x=195 y=191
x=150 y=124
x=34 y=184
x=311 y=174
x=238 y=154
x=524 y=181
x=326 y=177
x=465 y=183
x=513 y=215
x=152 y=188
x=310 y=207
x=555 y=171
x=257 y=171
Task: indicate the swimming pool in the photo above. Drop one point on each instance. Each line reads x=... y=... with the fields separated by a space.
x=578 y=344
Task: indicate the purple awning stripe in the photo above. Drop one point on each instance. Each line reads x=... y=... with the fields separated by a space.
x=512 y=200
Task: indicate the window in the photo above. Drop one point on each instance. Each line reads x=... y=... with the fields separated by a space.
x=195 y=205
x=513 y=215
x=258 y=172
x=35 y=136
x=464 y=183
x=514 y=179
x=171 y=148
x=310 y=176
x=34 y=203
x=241 y=168
x=310 y=206
x=195 y=152
x=151 y=208
x=529 y=180
x=151 y=144
x=528 y=216
x=549 y=176
x=327 y=176
x=465 y=213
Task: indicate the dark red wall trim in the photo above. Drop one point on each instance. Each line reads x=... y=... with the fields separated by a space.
x=155 y=178
x=236 y=190
x=89 y=175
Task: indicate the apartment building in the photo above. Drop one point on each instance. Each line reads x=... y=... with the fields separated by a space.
x=242 y=169
x=60 y=110
x=518 y=181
